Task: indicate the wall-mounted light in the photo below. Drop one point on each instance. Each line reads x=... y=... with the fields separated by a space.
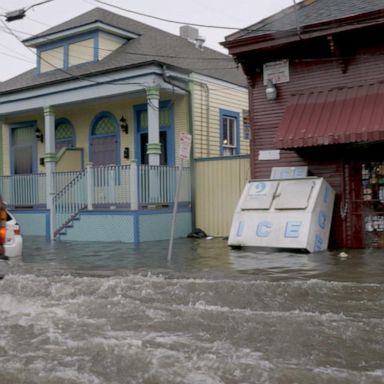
x=39 y=135
x=126 y=153
x=124 y=124
x=271 y=91
x=42 y=161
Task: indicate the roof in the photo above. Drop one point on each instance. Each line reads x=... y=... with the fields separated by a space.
x=308 y=13
x=336 y=116
x=151 y=45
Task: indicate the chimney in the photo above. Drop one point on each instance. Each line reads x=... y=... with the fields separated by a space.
x=192 y=35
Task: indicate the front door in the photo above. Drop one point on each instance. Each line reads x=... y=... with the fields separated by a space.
x=104 y=140
x=166 y=134
x=23 y=150
x=163 y=146
x=23 y=165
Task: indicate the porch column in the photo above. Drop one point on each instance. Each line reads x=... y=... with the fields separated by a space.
x=50 y=162
x=153 y=148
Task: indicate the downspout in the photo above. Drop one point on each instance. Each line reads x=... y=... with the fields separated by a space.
x=208 y=141
x=190 y=131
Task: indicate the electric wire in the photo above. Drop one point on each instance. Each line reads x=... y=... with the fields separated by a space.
x=71 y=75
x=13 y=33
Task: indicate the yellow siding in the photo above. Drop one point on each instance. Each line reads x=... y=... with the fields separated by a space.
x=70 y=161
x=181 y=123
x=81 y=52
x=108 y=43
x=81 y=119
x=219 y=186
x=208 y=98
x=52 y=59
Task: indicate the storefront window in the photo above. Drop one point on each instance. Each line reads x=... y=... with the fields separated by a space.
x=372 y=176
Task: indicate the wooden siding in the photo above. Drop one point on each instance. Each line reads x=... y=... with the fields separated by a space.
x=181 y=121
x=108 y=43
x=367 y=66
x=208 y=98
x=266 y=114
x=220 y=183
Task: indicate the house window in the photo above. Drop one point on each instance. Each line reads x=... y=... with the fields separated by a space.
x=68 y=53
x=51 y=59
x=229 y=133
x=64 y=134
x=81 y=52
x=165 y=118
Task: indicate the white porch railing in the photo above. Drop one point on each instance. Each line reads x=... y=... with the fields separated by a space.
x=23 y=190
x=126 y=187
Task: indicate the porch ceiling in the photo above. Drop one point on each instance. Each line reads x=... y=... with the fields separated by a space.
x=85 y=90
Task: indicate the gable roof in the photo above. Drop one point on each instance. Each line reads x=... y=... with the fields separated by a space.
x=151 y=46
x=308 y=13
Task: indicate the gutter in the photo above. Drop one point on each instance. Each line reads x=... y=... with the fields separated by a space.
x=274 y=39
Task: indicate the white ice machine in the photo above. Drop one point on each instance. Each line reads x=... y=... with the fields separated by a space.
x=292 y=213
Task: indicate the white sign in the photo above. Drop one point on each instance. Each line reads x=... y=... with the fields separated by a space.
x=271 y=154
x=277 y=71
x=185 y=145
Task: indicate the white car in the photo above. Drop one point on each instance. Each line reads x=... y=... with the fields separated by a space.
x=13 y=243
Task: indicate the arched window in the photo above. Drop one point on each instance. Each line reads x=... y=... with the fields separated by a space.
x=64 y=134
x=104 y=138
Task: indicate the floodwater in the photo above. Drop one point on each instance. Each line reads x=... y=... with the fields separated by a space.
x=101 y=313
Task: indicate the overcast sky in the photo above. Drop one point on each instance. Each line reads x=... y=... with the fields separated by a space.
x=15 y=58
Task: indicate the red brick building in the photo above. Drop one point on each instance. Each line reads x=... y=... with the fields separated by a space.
x=316 y=80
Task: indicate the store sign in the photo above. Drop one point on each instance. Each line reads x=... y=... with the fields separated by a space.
x=277 y=71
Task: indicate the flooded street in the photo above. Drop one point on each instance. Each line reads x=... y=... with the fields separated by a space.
x=101 y=313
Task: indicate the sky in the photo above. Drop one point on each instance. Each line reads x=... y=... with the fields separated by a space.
x=15 y=58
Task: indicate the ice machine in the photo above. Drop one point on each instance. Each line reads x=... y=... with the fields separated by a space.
x=291 y=213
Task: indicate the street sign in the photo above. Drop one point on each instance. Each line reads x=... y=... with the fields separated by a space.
x=185 y=145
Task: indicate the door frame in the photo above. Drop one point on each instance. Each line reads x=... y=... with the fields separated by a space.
x=24 y=124
x=170 y=131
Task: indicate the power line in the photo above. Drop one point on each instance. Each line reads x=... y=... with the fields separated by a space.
x=72 y=76
x=164 y=19
x=16 y=57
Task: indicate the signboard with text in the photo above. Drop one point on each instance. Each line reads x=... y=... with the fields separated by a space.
x=277 y=71
x=185 y=146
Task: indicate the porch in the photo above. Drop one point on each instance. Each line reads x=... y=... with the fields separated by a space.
x=129 y=203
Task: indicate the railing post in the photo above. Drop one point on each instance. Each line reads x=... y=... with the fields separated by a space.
x=134 y=185
x=89 y=171
x=111 y=186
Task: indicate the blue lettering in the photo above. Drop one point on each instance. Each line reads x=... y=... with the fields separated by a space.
x=292 y=229
x=326 y=195
x=260 y=187
x=318 y=243
x=240 y=229
x=322 y=220
x=264 y=229
x=298 y=172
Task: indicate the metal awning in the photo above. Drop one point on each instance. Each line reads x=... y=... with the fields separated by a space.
x=336 y=116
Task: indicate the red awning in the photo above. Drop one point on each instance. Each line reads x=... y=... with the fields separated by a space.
x=337 y=116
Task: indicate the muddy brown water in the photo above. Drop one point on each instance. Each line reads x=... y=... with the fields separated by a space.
x=107 y=313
